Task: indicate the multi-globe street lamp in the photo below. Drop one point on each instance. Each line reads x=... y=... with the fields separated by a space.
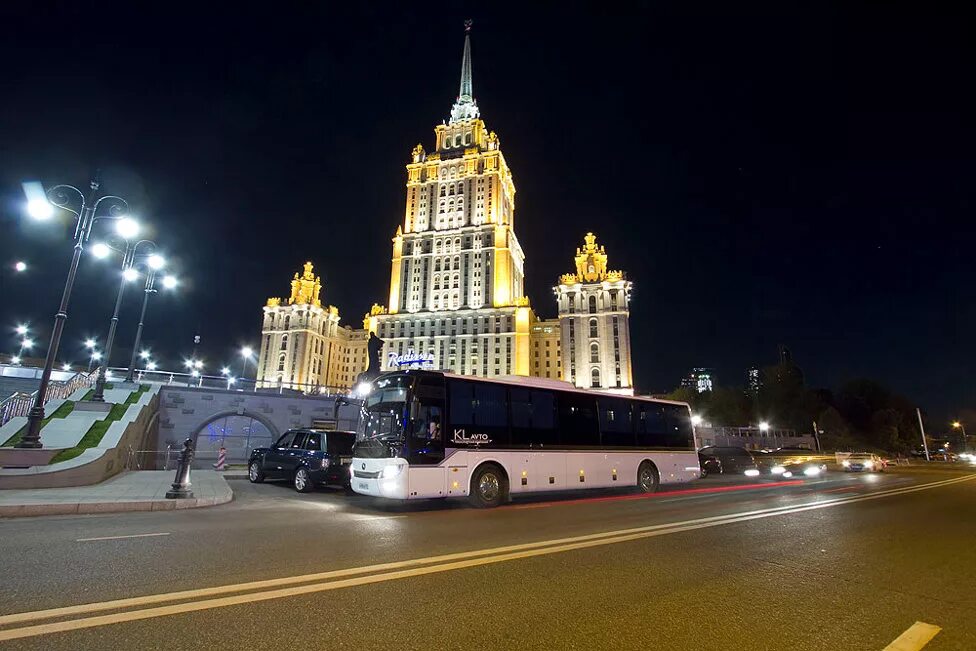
x=127 y=229
x=154 y=263
x=247 y=353
x=90 y=345
x=42 y=206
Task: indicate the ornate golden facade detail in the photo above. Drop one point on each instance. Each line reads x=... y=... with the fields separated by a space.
x=305 y=289
x=369 y=319
x=418 y=153
x=591 y=264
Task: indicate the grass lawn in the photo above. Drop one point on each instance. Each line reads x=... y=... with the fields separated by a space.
x=95 y=433
x=60 y=412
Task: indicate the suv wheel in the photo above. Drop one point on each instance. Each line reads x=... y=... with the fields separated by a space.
x=254 y=473
x=303 y=481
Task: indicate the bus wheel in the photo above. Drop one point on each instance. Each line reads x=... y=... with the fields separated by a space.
x=489 y=486
x=647 y=477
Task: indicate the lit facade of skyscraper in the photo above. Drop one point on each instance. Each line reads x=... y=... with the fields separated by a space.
x=594 y=321
x=303 y=347
x=456 y=297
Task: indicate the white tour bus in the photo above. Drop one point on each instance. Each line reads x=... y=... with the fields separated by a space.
x=425 y=434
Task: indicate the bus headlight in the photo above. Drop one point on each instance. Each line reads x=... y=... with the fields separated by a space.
x=391 y=471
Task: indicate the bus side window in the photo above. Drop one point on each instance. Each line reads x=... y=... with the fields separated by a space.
x=616 y=427
x=491 y=412
x=578 y=423
x=651 y=428
x=533 y=418
x=677 y=425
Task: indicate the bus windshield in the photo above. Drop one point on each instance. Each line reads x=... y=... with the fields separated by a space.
x=382 y=412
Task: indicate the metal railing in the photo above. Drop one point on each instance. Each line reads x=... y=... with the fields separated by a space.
x=244 y=385
x=166 y=459
x=19 y=403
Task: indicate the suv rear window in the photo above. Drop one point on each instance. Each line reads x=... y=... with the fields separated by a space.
x=339 y=442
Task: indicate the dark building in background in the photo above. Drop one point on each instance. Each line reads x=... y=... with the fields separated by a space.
x=699 y=379
x=753 y=380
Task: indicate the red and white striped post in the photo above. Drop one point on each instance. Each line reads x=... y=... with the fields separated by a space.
x=221 y=459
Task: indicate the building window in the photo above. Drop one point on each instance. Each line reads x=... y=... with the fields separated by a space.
x=613 y=301
x=595 y=378
x=592 y=304
x=594 y=352
x=284 y=342
x=593 y=329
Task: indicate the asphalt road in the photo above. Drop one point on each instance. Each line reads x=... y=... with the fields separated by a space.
x=846 y=562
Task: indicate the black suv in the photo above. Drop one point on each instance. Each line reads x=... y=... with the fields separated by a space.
x=306 y=457
x=728 y=460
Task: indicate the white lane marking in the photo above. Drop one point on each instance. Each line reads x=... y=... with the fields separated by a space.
x=135 y=535
x=918 y=635
x=454 y=562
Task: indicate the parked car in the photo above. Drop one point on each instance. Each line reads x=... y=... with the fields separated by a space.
x=731 y=460
x=863 y=462
x=306 y=457
x=793 y=462
x=710 y=464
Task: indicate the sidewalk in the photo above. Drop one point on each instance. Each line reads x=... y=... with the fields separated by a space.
x=143 y=490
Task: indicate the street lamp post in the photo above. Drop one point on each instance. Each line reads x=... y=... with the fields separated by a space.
x=25 y=344
x=90 y=345
x=128 y=230
x=86 y=218
x=246 y=353
x=965 y=441
x=154 y=264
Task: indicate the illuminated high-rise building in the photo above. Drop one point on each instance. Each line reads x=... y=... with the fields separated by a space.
x=456 y=297
x=303 y=346
x=594 y=322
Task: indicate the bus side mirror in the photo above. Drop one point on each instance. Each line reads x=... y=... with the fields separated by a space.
x=339 y=402
x=414 y=410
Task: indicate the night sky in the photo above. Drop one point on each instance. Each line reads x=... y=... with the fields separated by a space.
x=766 y=175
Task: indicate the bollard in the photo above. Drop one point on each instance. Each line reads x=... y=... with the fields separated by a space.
x=181 y=487
x=221 y=459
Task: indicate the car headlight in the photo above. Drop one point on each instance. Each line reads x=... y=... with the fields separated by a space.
x=777 y=470
x=845 y=463
x=812 y=471
x=868 y=464
x=325 y=463
x=391 y=471
x=752 y=472
x=787 y=474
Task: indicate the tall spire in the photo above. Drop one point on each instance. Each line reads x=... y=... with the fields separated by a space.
x=465 y=108
x=466 y=62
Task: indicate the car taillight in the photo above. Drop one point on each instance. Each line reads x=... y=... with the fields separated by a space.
x=325 y=463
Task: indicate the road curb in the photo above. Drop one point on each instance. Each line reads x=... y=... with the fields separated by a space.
x=81 y=508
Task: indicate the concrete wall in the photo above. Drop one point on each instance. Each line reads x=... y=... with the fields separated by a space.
x=184 y=411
